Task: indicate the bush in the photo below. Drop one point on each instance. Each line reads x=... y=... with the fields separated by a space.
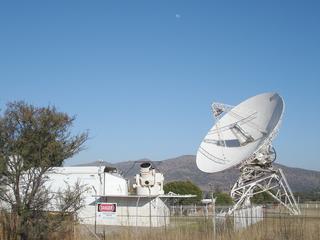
x=184 y=187
x=223 y=198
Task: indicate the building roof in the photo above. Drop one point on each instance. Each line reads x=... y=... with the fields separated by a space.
x=149 y=196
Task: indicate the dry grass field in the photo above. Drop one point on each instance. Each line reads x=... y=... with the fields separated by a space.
x=273 y=227
x=269 y=229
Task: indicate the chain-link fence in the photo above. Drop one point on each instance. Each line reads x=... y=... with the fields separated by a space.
x=210 y=222
x=195 y=222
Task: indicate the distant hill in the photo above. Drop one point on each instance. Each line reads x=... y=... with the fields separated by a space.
x=184 y=168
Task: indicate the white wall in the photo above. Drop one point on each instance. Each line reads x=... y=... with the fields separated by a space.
x=97 y=182
x=144 y=212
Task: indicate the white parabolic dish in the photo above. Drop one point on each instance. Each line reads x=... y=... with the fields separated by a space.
x=240 y=133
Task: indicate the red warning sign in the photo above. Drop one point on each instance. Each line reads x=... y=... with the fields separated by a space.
x=107 y=207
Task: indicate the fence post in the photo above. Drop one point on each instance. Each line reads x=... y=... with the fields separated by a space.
x=214 y=217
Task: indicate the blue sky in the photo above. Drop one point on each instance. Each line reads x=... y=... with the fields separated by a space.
x=141 y=75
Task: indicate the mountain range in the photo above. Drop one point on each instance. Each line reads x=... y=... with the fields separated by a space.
x=185 y=168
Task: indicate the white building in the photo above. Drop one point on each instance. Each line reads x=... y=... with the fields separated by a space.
x=107 y=199
x=99 y=181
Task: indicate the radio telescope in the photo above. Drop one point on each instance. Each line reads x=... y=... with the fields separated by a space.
x=242 y=136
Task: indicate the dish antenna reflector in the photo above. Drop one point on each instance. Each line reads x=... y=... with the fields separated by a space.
x=240 y=132
x=242 y=135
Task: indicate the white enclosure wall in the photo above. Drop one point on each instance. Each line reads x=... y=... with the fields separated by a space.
x=93 y=178
x=131 y=211
x=114 y=185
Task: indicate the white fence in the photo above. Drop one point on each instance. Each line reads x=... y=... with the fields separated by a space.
x=247 y=216
x=239 y=219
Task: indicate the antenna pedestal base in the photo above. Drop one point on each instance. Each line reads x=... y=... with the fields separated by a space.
x=268 y=180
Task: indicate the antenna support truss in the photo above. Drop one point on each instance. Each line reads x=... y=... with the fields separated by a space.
x=272 y=182
x=257 y=176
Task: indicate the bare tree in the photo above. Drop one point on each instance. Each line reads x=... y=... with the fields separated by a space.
x=32 y=141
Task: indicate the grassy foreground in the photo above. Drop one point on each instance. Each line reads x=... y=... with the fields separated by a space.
x=281 y=228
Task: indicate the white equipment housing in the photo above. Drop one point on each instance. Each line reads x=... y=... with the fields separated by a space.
x=98 y=180
x=242 y=135
x=148 y=182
